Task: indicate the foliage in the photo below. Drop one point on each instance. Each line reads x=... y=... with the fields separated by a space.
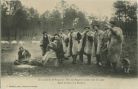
x=125 y=15
x=19 y=22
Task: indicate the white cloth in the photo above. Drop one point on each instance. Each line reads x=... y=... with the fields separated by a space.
x=50 y=55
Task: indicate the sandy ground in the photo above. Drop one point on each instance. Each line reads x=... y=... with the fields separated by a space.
x=65 y=76
x=9 y=54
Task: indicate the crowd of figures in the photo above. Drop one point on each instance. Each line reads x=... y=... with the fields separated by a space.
x=103 y=44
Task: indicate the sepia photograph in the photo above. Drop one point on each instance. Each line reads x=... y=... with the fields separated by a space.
x=63 y=44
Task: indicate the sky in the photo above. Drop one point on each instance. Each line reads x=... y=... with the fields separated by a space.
x=97 y=8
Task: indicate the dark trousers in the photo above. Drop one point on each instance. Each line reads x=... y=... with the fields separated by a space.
x=81 y=57
x=74 y=59
x=44 y=49
x=88 y=57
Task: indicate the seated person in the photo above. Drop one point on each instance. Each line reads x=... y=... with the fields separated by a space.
x=51 y=54
x=23 y=56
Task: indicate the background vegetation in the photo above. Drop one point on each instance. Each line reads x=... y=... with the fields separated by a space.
x=21 y=23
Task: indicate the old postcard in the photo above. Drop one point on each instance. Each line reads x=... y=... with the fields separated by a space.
x=69 y=44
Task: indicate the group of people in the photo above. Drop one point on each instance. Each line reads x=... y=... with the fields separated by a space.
x=104 y=44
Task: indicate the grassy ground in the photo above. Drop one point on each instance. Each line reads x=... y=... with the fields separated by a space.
x=9 y=54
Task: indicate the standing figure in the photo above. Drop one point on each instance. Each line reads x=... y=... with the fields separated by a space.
x=64 y=39
x=98 y=43
x=86 y=44
x=59 y=51
x=109 y=43
x=73 y=44
x=115 y=45
x=44 y=43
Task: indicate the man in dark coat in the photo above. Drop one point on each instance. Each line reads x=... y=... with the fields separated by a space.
x=59 y=50
x=23 y=56
x=44 y=43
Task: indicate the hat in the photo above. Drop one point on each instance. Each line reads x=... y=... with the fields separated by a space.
x=21 y=47
x=95 y=23
x=44 y=32
x=71 y=29
x=87 y=27
x=60 y=30
x=112 y=21
x=56 y=34
x=108 y=25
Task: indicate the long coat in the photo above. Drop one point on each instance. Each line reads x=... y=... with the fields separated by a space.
x=65 y=41
x=73 y=44
x=86 y=43
x=44 y=41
